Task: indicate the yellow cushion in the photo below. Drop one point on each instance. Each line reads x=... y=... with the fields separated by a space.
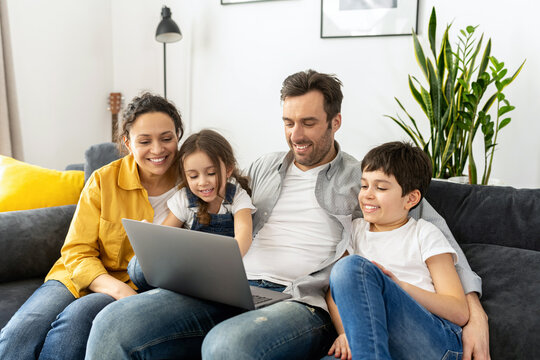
x=24 y=186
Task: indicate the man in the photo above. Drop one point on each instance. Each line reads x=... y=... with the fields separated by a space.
x=306 y=199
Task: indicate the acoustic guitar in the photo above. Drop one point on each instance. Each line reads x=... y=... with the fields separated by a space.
x=115 y=105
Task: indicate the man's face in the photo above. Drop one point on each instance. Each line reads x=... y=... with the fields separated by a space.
x=307 y=131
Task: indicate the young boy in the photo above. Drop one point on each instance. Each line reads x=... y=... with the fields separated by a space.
x=398 y=295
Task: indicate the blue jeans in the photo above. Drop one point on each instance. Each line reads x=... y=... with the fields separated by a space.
x=383 y=322
x=136 y=275
x=51 y=324
x=161 y=324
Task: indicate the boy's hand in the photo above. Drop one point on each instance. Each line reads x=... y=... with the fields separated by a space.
x=340 y=348
x=387 y=272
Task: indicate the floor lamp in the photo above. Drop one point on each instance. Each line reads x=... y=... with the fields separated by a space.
x=167 y=32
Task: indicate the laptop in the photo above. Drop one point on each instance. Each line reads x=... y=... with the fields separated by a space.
x=195 y=263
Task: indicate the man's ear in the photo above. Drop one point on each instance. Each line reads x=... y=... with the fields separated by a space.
x=413 y=198
x=336 y=122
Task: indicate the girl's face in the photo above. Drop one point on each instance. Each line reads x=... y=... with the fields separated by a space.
x=202 y=177
x=153 y=143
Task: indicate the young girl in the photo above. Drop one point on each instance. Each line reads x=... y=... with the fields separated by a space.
x=213 y=196
x=399 y=295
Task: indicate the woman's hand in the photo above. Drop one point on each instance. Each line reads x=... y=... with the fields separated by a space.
x=111 y=286
x=340 y=348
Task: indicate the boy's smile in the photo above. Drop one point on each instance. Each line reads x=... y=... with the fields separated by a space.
x=381 y=201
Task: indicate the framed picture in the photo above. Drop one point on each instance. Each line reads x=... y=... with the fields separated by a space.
x=229 y=2
x=352 y=18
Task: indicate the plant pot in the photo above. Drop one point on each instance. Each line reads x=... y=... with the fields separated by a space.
x=465 y=180
x=459 y=179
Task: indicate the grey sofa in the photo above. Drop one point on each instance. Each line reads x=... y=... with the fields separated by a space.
x=497 y=227
x=30 y=240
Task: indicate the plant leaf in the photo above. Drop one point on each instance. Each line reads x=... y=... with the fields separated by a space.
x=485 y=59
x=420 y=57
x=503 y=110
x=418 y=133
x=416 y=95
x=407 y=130
x=432 y=29
x=470 y=29
x=429 y=105
x=435 y=92
x=472 y=59
x=504 y=123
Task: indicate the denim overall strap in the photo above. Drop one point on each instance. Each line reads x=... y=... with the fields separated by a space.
x=222 y=224
x=193 y=200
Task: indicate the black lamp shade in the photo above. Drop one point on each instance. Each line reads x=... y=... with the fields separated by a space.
x=167 y=30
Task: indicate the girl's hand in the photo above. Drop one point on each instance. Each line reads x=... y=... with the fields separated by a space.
x=340 y=348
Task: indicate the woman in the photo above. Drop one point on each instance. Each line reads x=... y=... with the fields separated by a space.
x=91 y=272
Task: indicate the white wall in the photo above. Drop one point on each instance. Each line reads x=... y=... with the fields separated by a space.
x=61 y=52
x=227 y=71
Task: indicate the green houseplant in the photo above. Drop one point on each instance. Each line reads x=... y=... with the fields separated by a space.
x=457 y=101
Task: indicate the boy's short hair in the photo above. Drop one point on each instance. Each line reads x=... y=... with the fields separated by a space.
x=409 y=164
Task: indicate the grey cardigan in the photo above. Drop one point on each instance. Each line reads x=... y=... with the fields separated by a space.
x=336 y=191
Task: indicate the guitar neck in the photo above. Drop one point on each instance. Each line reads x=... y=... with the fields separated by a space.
x=114 y=119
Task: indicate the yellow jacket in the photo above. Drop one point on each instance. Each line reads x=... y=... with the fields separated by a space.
x=96 y=242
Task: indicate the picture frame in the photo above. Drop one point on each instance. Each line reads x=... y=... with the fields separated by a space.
x=359 y=18
x=231 y=2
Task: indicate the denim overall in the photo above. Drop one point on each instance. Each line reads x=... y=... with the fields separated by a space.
x=221 y=224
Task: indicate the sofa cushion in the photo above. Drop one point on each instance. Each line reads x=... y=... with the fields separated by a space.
x=30 y=241
x=489 y=214
x=24 y=186
x=14 y=294
x=510 y=297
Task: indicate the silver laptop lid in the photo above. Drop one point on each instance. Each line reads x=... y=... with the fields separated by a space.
x=199 y=264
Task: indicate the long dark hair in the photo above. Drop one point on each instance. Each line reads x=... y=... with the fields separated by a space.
x=217 y=148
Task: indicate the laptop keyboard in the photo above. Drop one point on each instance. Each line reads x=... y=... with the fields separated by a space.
x=259 y=299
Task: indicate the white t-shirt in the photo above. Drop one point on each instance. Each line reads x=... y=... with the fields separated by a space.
x=179 y=205
x=159 y=204
x=298 y=236
x=403 y=251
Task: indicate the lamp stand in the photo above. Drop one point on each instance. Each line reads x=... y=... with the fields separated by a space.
x=164 y=71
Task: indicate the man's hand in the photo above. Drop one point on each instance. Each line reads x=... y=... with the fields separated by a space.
x=476 y=333
x=340 y=348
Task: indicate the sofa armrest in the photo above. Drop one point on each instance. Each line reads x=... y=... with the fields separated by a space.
x=79 y=167
x=99 y=155
x=30 y=240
